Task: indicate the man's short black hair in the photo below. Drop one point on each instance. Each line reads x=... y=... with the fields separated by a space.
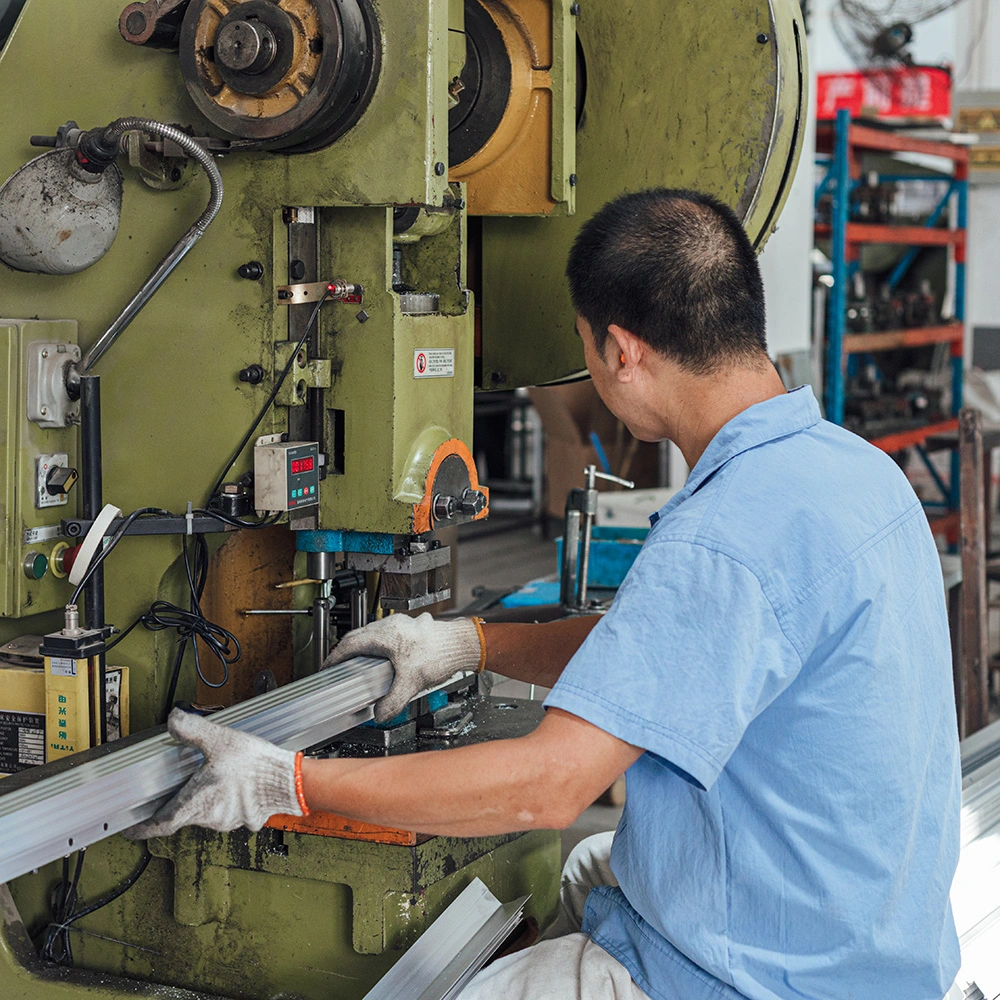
x=675 y=268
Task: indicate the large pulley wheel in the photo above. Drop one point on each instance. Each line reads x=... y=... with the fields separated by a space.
x=292 y=75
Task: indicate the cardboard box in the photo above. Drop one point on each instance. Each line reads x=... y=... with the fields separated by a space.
x=570 y=414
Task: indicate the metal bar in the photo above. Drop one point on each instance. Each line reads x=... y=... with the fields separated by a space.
x=891 y=340
x=77 y=806
x=453 y=949
x=321 y=632
x=92 y=465
x=837 y=303
x=892 y=142
x=570 y=558
x=821 y=187
x=906 y=439
x=935 y=475
x=870 y=232
x=972 y=683
x=176 y=524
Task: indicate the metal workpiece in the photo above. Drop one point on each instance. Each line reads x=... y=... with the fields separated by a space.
x=46 y=813
x=453 y=949
x=321 y=631
x=975 y=891
x=406 y=561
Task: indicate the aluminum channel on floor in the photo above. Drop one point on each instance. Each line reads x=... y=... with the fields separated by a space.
x=47 y=819
x=975 y=893
x=453 y=949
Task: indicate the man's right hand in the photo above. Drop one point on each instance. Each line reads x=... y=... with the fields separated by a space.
x=424 y=653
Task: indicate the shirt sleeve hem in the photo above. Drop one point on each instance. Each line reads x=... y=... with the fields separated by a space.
x=694 y=760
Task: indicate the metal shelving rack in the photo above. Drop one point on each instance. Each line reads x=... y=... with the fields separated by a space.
x=845 y=141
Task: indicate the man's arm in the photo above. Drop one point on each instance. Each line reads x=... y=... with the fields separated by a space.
x=541 y=781
x=535 y=654
x=425 y=652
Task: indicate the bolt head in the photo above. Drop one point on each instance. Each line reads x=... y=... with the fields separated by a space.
x=45 y=354
x=763 y=38
x=439 y=168
x=44 y=410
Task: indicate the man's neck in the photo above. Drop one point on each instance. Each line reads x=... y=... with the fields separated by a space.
x=702 y=405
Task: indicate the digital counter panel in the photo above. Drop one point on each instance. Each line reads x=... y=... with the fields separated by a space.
x=286 y=475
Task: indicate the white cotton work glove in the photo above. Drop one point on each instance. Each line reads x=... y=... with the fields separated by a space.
x=244 y=781
x=424 y=653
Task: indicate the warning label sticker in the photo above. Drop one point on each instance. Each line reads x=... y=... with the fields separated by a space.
x=434 y=362
x=22 y=741
x=63 y=667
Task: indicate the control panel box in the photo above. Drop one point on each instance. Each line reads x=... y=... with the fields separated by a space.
x=38 y=462
x=286 y=475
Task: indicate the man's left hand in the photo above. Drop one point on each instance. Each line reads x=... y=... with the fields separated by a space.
x=243 y=781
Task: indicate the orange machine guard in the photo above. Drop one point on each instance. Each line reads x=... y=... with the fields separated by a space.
x=423 y=512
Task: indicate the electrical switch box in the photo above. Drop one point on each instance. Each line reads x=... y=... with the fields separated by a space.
x=30 y=512
x=286 y=475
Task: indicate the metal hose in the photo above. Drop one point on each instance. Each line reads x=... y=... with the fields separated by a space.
x=114 y=132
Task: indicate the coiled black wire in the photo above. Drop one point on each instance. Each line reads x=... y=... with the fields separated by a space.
x=56 y=945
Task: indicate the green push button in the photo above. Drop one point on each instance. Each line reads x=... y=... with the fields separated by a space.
x=35 y=565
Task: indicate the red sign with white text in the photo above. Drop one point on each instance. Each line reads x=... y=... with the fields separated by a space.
x=907 y=92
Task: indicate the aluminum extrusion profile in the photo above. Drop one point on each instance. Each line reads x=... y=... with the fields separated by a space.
x=975 y=892
x=47 y=819
x=453 y=949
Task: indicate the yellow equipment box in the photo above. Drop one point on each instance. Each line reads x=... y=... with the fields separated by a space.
x=22 y=718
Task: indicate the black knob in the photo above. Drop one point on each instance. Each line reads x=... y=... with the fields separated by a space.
x=60 y=480
x=253 y=374
x=252 y=270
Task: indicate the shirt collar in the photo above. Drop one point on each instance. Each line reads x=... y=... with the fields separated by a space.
x=756 y=425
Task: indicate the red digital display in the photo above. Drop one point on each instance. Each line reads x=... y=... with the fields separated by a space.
x=302 y=465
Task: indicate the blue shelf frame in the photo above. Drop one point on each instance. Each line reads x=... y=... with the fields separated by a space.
x=839 y=182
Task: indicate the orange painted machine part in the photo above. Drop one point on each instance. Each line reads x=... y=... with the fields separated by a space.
x=423 y=512
x=512 y=173
x=330 y=825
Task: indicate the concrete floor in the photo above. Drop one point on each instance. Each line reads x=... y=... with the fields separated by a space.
x=508 y=559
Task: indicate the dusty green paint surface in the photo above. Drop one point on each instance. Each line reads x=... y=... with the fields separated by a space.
x=173 y=406
x=677 y=94
x=258 y=916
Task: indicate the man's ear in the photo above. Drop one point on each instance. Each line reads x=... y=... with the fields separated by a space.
x=627 y=351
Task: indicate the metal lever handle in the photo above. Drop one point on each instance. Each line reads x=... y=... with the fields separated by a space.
x=627 y=483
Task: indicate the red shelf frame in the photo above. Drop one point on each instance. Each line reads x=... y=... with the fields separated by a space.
x=865 y=232
x=907 y=439
x=891 y=340
x=866 y=137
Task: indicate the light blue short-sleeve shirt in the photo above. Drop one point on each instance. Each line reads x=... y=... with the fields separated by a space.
x=780 y=650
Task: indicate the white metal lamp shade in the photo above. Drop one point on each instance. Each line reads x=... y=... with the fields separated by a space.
x=55 y=218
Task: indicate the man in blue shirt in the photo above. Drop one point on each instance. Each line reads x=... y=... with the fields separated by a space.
x=773 y=677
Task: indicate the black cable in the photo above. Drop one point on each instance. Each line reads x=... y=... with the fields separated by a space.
x=56 y=946
x=120 y=890
x=119 y=534
x=274 y=393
